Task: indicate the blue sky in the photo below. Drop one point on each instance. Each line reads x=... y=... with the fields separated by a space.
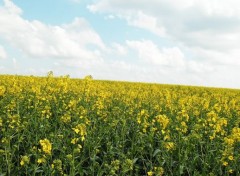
x=174 y=42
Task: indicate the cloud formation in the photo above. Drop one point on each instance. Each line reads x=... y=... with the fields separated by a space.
x=38 y=40
x=151 y=53
x=207 y=24
x=208 y=30
x=3 y=54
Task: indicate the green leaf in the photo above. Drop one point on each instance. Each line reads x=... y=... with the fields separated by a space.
x=135 y=160
x=156 y=152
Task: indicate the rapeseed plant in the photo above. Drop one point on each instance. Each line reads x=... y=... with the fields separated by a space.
x=46 y=146
x=57 y=125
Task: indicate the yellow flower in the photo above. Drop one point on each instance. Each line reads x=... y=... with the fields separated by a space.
x=66 y=118
x=46 y=146
x=2 y=90
x=212 y=137
x=57 y=164
x=159 y=171
x=169 y=145
x=230 y=157
x=150 y=173
x=229 y=141
x=183 y=127
x=41 y=160
x=167 y=137
x=81 y=130
x=74 y=140
x=236 y=134
x=25 y=160
x=163 y=120
x=22 y=163
x=225 y=163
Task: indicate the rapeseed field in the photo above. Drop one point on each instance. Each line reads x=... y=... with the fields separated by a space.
x=61 y=126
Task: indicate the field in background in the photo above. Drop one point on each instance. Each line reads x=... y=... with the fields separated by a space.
x=63 y=126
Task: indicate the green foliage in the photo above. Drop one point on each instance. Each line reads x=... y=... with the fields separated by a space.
x=63 y=126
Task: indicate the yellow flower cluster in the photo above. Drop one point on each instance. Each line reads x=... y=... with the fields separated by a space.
x=25 y=160
x=2 y=90
x=123 y=128
x=163 y=120
x=80 y=129
x=169 y=145
x=215 y=124
x=157 y=171
x=46 y=146
x=230 y=142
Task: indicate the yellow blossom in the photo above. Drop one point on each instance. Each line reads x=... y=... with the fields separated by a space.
x=230 y=157
x=41 y=160
x=163 y=120
x=2 y=90
x=169 y=145
x=46 y=146
x=150 y=173
x=159 y=171
x=225 y=163
x=74 y=140
x=81 y=130
x=25 y=160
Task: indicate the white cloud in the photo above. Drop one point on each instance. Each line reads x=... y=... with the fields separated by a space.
x=15 y=64
x=208 y=24
x=193 y=23
x=217 y=58
x=151 y=53
x=119 y=49
x=147 y=22
x=3 y=54
x=208 y=30
x=134 y=17
x=199 y=67
x=38 y=40
x=12 y=8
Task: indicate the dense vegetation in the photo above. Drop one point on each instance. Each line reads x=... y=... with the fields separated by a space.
x=63 y=126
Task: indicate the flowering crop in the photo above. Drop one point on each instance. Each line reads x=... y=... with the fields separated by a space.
x=62 y=126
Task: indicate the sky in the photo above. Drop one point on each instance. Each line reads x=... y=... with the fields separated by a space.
x=159 y=41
